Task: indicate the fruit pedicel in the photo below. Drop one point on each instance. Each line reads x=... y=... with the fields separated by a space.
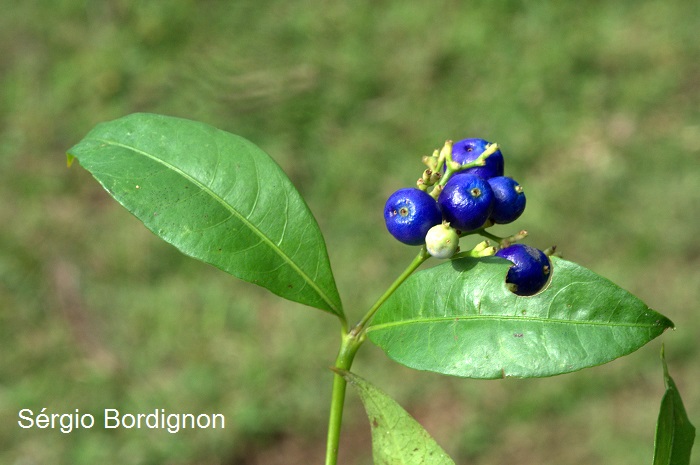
x=464 y=191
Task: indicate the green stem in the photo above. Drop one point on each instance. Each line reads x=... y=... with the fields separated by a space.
x=502 y=241
x=488 y=235
x=452 y=167
x=422 y=256
x=350 y=343
x=346 y=355
x=480 y=161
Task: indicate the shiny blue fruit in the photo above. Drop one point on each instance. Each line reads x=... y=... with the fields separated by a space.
x=409 y=213
x=530 y=270
x=468 y=150
x=466 y=202
x=509 y=199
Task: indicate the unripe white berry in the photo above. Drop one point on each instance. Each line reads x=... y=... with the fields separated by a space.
x=442 y=241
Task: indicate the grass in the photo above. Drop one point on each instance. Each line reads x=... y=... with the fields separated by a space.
x=596 y=106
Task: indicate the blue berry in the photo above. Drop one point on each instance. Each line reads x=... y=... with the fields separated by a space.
x=466 y=202
x=409 y=213
x=509 y=199
x=468 y=150
x=530 y=270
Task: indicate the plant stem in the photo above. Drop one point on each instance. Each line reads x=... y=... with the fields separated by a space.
x=422 y=256
x=346 y=355
x=488 y=235
x=350 y=343
x=480 y=161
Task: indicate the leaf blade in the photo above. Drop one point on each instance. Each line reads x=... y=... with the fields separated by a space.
x=675 y=434
x=459 y=319
x=397 y=438
x=216 y=197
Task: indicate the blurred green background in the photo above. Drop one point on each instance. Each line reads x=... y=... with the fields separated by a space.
x=596 y=106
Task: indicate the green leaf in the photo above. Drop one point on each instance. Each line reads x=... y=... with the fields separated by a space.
x=459 y=319
x=397 y=438
x=216 y=197
x=674 y=432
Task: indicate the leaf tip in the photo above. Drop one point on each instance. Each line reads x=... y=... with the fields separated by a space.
x=69 y=159
x=663 y=361
x=669 y=324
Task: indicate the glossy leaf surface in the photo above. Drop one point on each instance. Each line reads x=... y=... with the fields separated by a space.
x=397 y=438
x=674 y=432
x=216 y=197
x=458 y=318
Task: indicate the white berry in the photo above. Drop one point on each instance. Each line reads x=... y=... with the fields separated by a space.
x=442 y=241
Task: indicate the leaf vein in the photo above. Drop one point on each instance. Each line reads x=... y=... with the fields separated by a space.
x=307 y=279
x=380 y=326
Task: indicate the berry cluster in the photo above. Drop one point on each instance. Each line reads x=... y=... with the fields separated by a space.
x=464 y=191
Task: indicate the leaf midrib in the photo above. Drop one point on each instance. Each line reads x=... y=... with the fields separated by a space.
x=414 y=321
x=235 y=213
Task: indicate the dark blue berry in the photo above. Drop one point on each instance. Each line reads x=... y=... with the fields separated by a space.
x=468 y=150
x=466 y=202
x=509 y=199
x=530 y=270
x=409 y=213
